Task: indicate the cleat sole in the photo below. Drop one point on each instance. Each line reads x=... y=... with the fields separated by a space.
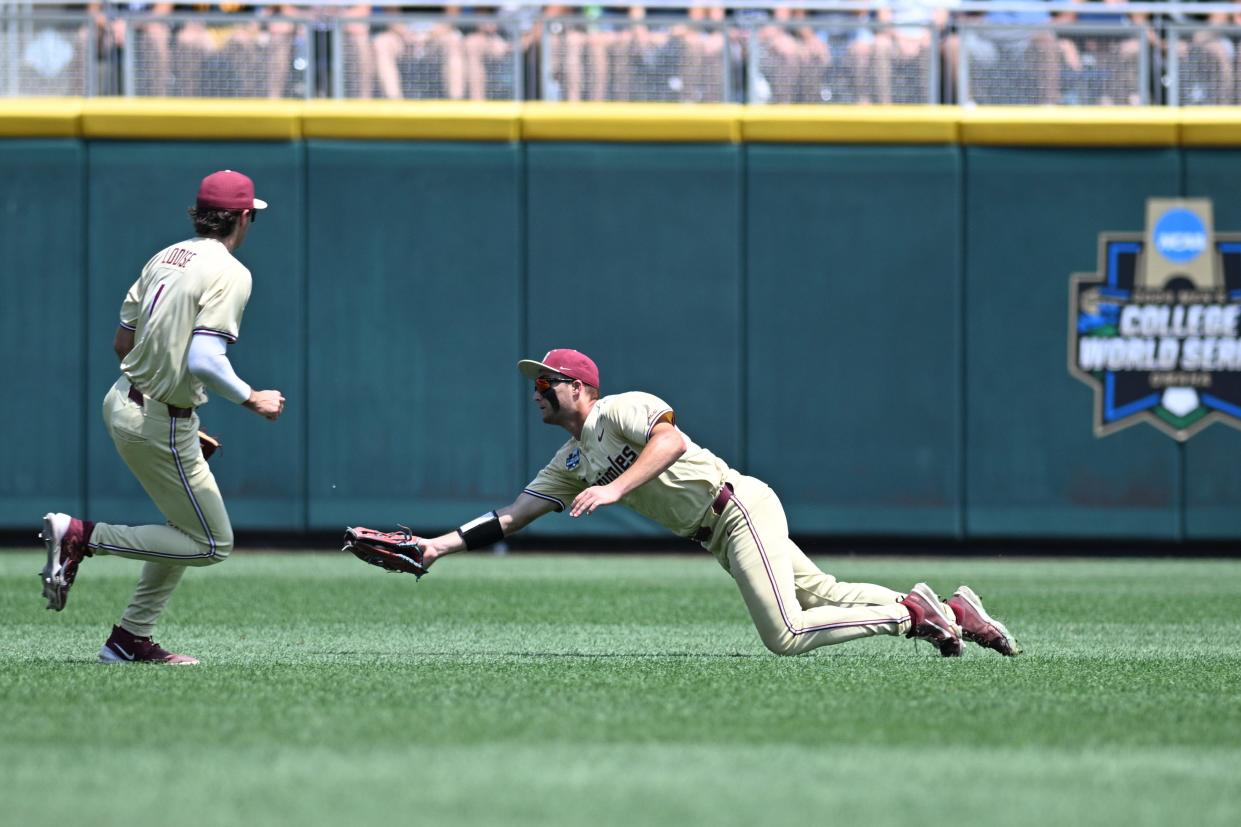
x=969 y=596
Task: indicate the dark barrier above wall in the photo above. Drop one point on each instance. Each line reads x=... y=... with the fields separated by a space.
x=1212 y=480
x=1033 y=466
x=415 y=311
x=853 y=335
x=868 y=312
x=42 y=332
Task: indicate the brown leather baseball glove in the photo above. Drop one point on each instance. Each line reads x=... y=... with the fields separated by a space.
x=394 y=551
x=208 y=443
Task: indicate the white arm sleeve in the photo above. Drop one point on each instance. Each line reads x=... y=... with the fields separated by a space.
x=208 y=360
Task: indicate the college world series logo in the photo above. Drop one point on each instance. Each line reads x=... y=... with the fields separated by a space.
x=1155 y=331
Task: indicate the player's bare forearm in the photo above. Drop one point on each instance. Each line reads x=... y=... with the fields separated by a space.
x=437 y=547
x=665 y=446
x=513 y=518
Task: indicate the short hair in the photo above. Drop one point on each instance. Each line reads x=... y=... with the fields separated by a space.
x=590 y=390
x=211 y=222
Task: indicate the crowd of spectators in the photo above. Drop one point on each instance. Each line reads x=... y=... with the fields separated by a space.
x=901 y=51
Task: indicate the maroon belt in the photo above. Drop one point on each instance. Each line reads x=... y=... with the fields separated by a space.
x=173 y=410
x=721 y=499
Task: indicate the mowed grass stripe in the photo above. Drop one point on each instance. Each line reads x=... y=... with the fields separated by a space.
x=565 y=689
x=606 y=785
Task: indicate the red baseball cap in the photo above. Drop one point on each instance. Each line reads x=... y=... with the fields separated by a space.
x=564 y=361
x=228 y=190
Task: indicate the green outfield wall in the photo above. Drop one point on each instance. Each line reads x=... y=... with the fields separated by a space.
x=867 y=309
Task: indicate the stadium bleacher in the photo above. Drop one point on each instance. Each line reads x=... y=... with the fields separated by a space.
x=1090 y=52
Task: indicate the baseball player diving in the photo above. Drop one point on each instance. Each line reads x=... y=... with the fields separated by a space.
x=176 y=323
x=626 y=448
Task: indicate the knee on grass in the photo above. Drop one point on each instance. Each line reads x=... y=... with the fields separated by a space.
x=781 y=642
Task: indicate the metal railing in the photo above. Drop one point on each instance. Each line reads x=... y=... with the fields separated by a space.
x=842 y=61
x=47 y=53
x=211 y=55
x=615 y=59
x=421 y=57
x=835 y=52
x=1202 y=65
x=1097 y=65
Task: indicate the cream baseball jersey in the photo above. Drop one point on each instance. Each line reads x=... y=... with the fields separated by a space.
x=194 y=286
x=615 y=432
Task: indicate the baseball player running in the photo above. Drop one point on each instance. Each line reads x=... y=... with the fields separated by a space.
x=176 y=323
x=626 y=448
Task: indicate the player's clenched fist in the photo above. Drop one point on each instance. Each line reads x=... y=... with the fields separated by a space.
x=269 y=404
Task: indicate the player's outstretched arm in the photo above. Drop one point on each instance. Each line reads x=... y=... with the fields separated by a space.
x=488 y=529
x=403 y=551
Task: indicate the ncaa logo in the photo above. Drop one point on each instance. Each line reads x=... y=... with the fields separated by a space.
x=574 y=459
x=1156 y=331
x=1180 y=235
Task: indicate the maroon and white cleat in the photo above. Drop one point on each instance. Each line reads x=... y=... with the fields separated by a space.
x=124 y=647
x=980 y=627
x=928 y=620
x=66 y=539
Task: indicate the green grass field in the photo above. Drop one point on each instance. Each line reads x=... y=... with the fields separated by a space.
x=610 y=690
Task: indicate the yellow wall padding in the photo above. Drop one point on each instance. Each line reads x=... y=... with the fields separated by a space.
x=41 y=118
x=850 y=124
x=412 y=120
x=1070 y=126
x=1211 y=126
x=654 y=122
x=287 y=120
x=191 y=119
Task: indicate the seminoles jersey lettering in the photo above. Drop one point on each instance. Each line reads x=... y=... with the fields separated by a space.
x=617 y=429
x=194 y=286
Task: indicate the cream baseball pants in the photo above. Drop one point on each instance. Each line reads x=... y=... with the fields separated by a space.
x=795 y=606
x=163 y=452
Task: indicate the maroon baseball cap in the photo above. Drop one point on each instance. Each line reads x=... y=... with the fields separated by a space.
x=566 y=362
x=228 y=190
